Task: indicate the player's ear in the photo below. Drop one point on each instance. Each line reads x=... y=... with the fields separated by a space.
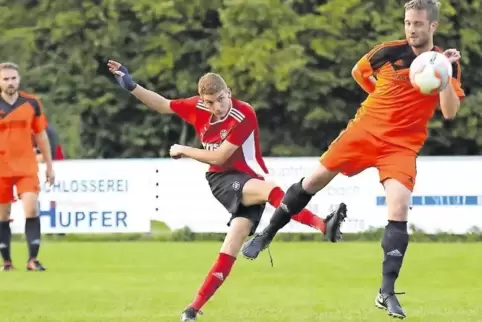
x=434 y=25
x=228 y=92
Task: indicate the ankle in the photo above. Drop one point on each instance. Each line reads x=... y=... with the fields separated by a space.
x=270 y=231
x=198 y=302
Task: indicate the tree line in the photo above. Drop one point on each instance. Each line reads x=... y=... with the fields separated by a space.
x=291 y=59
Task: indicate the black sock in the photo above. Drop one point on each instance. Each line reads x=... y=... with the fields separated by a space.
x=293 y=202
x=394 y=245
x=5 y=238
x=32 y=232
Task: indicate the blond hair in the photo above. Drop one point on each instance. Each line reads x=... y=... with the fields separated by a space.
x=210 y=84
x=431 y=6
x=9 y=65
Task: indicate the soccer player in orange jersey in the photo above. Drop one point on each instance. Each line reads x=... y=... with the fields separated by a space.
x=21 y=115
x=387 y=132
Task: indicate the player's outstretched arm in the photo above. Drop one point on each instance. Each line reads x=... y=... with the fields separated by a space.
x=151 y=99
x=217 y=157
x=155 y=101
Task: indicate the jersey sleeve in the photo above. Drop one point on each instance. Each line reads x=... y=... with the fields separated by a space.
x=456 y=80
x=185 y=108
x=372 y=61
x=243 y=130
x=39 y=122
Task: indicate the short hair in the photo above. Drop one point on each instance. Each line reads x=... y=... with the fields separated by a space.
x=210 y=84
x=432 y=7
x=9 y=65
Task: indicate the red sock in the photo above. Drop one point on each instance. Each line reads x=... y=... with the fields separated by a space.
x=305 y=216
x=216 y=276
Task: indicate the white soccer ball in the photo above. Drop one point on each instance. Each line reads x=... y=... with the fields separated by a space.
x=430 y=72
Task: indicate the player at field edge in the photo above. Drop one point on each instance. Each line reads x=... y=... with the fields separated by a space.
x=228 y=131
x=387 y=133
x=21 y=114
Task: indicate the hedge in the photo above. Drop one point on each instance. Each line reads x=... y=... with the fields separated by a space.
x=161 y=233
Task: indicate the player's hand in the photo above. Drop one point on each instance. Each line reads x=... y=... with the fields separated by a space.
x=121 y=75
x=176 y=151
x=452 y=54
x=50 y=175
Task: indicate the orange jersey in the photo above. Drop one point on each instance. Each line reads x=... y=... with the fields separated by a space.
x=17 y=124
x=395 y=111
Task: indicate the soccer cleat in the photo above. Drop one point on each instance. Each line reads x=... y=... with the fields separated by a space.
x=34 y=265
x=190 y=314
x=261 y=241
x=333 y=223
x=7 y=267
x=390 y=303
x=256 y=245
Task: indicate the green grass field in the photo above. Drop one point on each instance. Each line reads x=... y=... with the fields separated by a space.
x=148 y=281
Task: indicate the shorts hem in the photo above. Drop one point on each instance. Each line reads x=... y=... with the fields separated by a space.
x=409 y=186
x=254 y=213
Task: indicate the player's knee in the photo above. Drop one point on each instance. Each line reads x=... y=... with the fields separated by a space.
x=31 y=214
x=319 y=179
x=240 y=228
x=256 y=191
x=398 y=210
x=398 y=199
x=30 y=210
x=30 y=204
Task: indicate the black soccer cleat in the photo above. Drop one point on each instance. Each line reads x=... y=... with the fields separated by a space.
x=190 y=314
x=7 y=267
x=34 y=265
x=389 y=302
x=256 y=245
x=261 y=241
x=333 y=223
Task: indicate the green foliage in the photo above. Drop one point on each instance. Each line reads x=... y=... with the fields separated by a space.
x=290 y=59
x=161 y=233
x=183 y=234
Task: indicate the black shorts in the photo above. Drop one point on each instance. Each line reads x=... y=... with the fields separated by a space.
x=227 y=188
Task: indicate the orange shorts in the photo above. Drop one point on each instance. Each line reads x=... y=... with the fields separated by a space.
x=355 y=150
x=23 y=184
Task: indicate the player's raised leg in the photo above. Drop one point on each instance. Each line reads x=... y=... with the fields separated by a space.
x=353 y=151
x=240 y=228
x=28 y=188
x=296 y=198
x=257 y=191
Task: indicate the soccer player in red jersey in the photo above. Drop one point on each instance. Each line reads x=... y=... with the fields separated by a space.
x=387 y=133
x=21 y=115
x=228 y=131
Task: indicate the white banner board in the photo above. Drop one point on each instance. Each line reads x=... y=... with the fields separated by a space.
x=94 y=196
x=447 y=195
x=122 y=196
